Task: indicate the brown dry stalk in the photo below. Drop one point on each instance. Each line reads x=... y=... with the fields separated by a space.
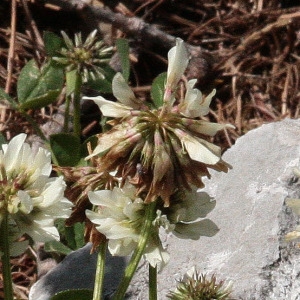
x=35 y=34
x=10 y=62
x=284 y=95
x=11 y=52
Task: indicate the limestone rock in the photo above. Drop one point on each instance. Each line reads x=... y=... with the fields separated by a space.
x=249 y=249
x=77 y=271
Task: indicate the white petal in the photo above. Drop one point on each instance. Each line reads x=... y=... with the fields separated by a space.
x=204 y=105
x=208 y=128
x=110 y=108
x=197 y=151
x=44 y=234
x=117 y=231
x=194 y=104
x=177 y=63
x=157 y=257
x=12 y=151
x=42 y=161
x=53 y=192
x=102 y=197
x=93 y=216
x=132 y=210
x=190 y=105
x=123 y=92
x=129 y=190
x=26 y=202
x=43 y=221
x=122 y=247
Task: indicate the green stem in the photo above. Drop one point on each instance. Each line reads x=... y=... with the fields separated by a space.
x=152 y=283
x=76 y=105
x=67 y=114
x=98 y=287
x=137 y=254
x=7 y=279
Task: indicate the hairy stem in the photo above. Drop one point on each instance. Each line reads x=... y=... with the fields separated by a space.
x=4 y=240
x=98 y=287
x=76 y=105
x=152 y=283
x=137 y=254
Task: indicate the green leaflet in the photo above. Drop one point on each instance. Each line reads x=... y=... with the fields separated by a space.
x=158 y=89
x=37 y=87
x=66 y=149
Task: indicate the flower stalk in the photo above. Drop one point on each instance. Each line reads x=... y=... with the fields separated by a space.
x=98 y=287
x=137 y=254
x=152 y=283
x=4 y=240
x=67 y=114
x=76 y=104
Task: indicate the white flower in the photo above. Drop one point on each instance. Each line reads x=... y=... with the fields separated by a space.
x=17 y=159
x=168 y=141
x=194 y=104
x=188 y=208
x=177 y=63
x=199 y=149
x=110 y=108
x=32 y=199
x=156 y=255
x=123 y=92
x=127 y=102
x=120 y=217
x=50 y=204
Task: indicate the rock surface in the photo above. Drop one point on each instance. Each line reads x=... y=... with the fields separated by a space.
x=249 y=250
x=77 y=271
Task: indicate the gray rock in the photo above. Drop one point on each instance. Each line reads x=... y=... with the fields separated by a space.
x=77 y=271
x=249 y=249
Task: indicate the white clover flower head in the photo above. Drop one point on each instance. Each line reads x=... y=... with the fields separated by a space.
x=120 y=216
x=163 y=146
x=194 y=285
x=87 y=57
x=32 y=199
